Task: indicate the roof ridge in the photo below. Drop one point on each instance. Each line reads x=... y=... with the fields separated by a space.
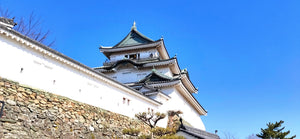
x=135 y=37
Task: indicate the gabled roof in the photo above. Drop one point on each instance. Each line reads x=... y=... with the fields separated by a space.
x=134 y=41
x=134 y=37
x=155 y=76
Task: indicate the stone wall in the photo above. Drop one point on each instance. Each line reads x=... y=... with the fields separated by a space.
x=31 y=113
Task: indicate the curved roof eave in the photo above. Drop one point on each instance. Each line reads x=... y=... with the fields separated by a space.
x=163 y=50
x=141 y=64
x=132 y=47
x=188 y=84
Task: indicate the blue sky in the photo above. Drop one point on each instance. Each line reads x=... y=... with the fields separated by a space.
x=244 y=56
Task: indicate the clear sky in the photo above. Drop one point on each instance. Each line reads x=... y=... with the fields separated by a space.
x=243 y=55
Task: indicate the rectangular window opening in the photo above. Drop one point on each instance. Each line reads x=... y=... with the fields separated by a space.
x=124 y=100
x=132 y=56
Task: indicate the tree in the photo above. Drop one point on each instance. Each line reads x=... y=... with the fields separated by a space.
x=30 y=27
x=150 y=118
x=273 y=131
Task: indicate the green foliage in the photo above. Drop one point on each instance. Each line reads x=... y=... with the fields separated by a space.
x=171 y=137
x=274 y=131
x=150 y=118
x=145 y=137
x=173 y=113
x=159 y=131
x=131 y=131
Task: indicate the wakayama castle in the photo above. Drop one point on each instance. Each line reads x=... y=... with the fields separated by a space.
x=139 y=76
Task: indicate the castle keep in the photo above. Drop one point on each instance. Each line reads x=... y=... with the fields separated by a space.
x=145 y=65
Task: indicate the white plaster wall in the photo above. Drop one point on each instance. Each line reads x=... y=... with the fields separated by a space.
x=143 y=54
x=177 y=102
x=40 y=71
x=130 y=74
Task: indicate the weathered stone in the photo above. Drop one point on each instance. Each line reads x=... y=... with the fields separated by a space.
x=21 y=89
x=12 y=90
x=11 y=102
x=32 y=107
x=7 y=120
x=22 y=117
x=28 y=91
x=32 y=96
x=36 y=101
x=33 y=128
x=44 y=102
x=19 y=95
x=20 y=103
x=81 y=119
x=98 y=121
x=34 y=113
x=16 y=109
x=24 y=109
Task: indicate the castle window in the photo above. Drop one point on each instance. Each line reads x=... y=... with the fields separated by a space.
x=132 y=56
x=151 y=55
x=128 y=101
x=124 y=100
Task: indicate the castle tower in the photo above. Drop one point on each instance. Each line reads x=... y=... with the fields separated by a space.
x=145 y=65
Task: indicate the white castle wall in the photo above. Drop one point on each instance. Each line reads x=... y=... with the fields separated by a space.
x=27 y=66
x=177 y=102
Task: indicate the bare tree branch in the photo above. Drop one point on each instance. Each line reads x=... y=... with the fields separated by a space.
x=30 y=27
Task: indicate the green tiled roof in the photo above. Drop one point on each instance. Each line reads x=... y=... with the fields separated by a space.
x=134 y=37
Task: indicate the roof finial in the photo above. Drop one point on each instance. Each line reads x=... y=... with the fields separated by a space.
x=133 y=26
x=162 y=37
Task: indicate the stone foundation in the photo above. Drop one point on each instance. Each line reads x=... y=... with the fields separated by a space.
x=31 y=113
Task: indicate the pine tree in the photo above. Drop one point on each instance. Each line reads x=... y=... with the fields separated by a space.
x=274 y=131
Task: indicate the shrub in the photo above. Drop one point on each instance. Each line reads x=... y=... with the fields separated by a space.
x=159 y=131
x=131 y=131
x=172 y=137
x=145 y=137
